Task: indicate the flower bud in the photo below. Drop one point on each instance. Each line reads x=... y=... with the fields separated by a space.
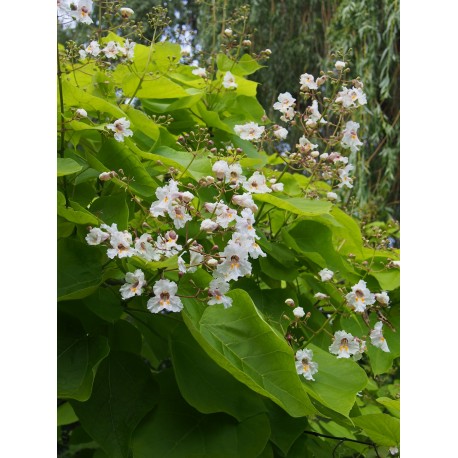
x=289 y=302
x=126 y=12
x=298 y=312
x=331 y=196
x=340 y=65
x=209 y=180
x=246 y=42
x=314 y=154
x=267 y=51
x=277 y=187
x=212 y=262
x=81 y=113
x=228 y=32
x=321 y=80
x=105 y=176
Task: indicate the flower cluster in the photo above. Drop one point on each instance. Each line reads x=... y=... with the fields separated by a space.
x=112 y=50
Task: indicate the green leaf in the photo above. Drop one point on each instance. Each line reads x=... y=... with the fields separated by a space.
x=66 y=415
x=75 y=213
x=79 y=269
x=124 y=392
x=313 y=240
x=112 y=209
x=205 y=385
x=336 y=382
x=67 y=166
x=114 y=155
x=105 y=303
x=393 y=405
x=246 y=65
x=296 y=205
x=176 y=430
x=77 y=358
x=284 y=429
x=241 y=342
x=383 y=429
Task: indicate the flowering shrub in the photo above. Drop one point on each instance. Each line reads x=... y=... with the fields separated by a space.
x=214 y=300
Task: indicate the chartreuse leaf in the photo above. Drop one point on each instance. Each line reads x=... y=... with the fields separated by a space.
x=296 y=205
x=78 y=355
x=66 y=415
x=75 y=213
x=177 y=430
x=241 y=342
x=383 y=429
x=205 y=385
x=67 y=166
x=246 y=65
x=124 y=392
x=336 y=382
x=79 y=269
x=393 y=405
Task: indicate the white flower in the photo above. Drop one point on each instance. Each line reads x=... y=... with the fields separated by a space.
x=337 y=157
x=298 y=312
x=224 y=215
x=304 y=364
x=235 y=264
x=382 y=298
x=63 y=9
x=256 y=184
x=167 y=244
x=321 y=296
x=229 y=81
x=249 y=131
x=83 y=11
x=305 y=145
x=166 y=195
x=186 y=196
x=134 y=284
x=285 y=101
x=326 y=274
x=288 y=115
x=345 y=179
x=280 y=132
x=277 y=187
x=220 y=168
x=344 y=345
x=307 y=82
x=228 y=32
x=126 y=12
x=145 y=249
x=217 y=290
x=196 y=258
x=128 y=49
x=315 y=115
x=331 y=196
x=111 y=229
x=93 y=48
x=82 y=54
x=105 y=176
x=394 y=450
x=181 y=263
x=208 y=225
x=244 y=224
x=290 y=302
x=377 y=338
x=340 y=65
x=200 y=72
x=245 y=200
x=120 y=245
x=234 y=174
x=179 y=215
x=351 y=97
x=360 y=297
x=164 y=297
x=96 y=236
x=362 y=348
x=121 y=129
x=81 y=113
x=111 y=50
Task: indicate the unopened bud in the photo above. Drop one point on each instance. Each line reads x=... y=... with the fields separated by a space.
x=210 y=179
x=314 y=154
x=228 y=32
x=246 y=42
x=212 y=262
x=81 y=113
x=290 y=302
x=126 y=12
x=340 y=65
x=321 y=80
x=105 y=176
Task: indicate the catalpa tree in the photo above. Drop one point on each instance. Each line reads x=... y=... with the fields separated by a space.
x=215 y=300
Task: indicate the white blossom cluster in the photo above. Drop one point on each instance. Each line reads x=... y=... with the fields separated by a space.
x=174 y=204
x=112 y=50
x=80 y=10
